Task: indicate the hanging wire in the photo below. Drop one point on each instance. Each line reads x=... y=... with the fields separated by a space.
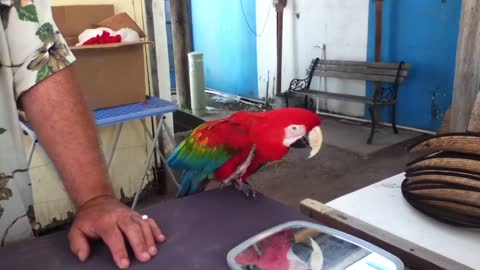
x=248 y=24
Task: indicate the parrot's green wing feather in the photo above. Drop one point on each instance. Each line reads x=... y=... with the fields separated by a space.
x=207 y=148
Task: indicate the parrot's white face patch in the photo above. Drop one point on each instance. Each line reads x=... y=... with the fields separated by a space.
x=293 y=133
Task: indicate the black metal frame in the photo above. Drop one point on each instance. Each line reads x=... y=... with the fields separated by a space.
x=302 y=84
x=382 y=96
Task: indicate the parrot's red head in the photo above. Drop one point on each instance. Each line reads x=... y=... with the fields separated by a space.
x=293 y=127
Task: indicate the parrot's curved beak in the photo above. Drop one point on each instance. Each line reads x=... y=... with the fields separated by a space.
x=313 y=139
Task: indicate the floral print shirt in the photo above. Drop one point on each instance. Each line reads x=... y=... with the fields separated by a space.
x=31 y=49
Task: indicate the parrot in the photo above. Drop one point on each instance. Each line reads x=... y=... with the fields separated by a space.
x=231 y=149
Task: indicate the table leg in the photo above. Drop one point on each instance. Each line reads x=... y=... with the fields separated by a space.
x=149 y=159
x=162 y=157
x=32 y=150
x=170 y=136
x=172 y=140
x=112 y=153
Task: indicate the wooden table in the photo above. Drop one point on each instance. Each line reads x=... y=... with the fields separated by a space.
x=200 y=229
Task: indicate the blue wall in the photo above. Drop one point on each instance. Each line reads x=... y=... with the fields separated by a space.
x=423 y=33
x=221 y=33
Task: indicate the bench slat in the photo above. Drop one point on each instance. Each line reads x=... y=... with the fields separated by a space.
x=363 y=70
x=339 y=96
x=357 y=76
x=362 y=64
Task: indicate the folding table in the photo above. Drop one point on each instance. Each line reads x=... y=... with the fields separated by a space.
x=152 y=106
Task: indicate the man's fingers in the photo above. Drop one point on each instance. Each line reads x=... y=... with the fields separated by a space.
x=114 y=240
x=159 y=236
x=133 y=231
x=148 y=236
x=79 y=243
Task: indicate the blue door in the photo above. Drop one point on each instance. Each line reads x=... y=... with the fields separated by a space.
x=423 y=33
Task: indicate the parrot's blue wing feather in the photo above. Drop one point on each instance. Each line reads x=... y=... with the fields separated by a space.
x=191 y=183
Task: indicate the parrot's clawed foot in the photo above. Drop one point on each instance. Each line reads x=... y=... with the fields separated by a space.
x=245 y=189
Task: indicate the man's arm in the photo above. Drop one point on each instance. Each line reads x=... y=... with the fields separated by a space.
x=65 y=128
x=57 y=112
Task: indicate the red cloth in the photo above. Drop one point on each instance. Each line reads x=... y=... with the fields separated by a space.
x=103 y=39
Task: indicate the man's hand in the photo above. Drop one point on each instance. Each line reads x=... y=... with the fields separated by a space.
x=106 y=218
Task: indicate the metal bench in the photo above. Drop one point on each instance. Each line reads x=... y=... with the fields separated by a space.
x=387 y=78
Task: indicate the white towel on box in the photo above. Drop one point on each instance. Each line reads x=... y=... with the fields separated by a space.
x=128 y=35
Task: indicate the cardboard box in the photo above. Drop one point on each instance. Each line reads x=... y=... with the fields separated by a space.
x=109 y=74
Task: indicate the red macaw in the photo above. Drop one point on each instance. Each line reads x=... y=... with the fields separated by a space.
x=231 y=149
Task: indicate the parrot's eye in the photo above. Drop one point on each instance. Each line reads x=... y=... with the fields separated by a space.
x=295 y=130
x=294 y=127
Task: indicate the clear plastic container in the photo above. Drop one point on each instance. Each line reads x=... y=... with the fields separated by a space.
x=300 y=245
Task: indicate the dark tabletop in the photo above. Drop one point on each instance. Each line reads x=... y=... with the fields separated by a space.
x=200 y=231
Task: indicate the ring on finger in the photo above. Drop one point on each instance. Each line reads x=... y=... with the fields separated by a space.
x=139 y=218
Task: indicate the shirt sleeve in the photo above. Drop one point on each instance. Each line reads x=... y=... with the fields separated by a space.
x=37 y=48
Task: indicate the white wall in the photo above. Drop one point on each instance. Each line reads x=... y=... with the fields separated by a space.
x=341 y=25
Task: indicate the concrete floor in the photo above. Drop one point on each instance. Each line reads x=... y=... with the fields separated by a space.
x=352 y=136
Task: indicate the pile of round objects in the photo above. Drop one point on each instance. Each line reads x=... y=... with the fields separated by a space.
x=445 y=182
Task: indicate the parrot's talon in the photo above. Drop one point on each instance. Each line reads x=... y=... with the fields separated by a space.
x=246 y=189
x=252 y=194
